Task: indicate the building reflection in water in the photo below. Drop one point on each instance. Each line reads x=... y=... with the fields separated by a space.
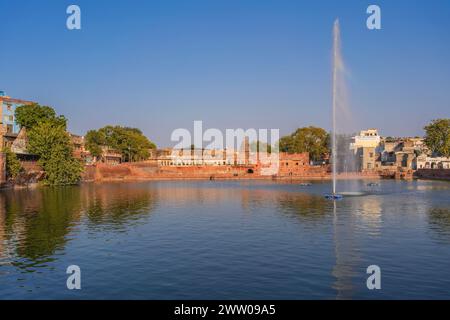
x=306 y=207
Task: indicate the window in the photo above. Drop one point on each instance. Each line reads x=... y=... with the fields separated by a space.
x=371 y=155
x=8 y=107
x=8 y=118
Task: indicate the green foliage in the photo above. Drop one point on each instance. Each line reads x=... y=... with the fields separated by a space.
x=93 y=141
x=308 y=139
x=52 y=144
x=62 y=170
x=133 y=145
x=48 y=139
x=437 y=137
x=28 y=116
x=13 y=166
x=259 y=146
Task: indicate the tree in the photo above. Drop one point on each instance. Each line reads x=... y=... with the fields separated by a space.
x=50 y=141
x=28 y=116
x=131 y=142
x=93 y=142
x=308 y=139
x=437 y=137
x=13 y=166
x=259 y=146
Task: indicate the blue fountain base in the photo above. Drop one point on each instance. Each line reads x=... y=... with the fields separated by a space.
x=334 y=196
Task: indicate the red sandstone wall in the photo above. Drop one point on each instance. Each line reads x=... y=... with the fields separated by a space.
x=296 y=164
x=144 y=170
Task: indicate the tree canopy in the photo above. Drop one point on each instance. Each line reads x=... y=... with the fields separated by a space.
x=49 y=140
x=28 y=116
x=131 y=142
x=307 y=139
x=437 y=137
x=259 y=146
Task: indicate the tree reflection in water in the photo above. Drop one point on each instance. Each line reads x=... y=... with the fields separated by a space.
x=36 y=224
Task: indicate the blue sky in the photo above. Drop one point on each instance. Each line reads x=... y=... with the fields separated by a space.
x=160 y=65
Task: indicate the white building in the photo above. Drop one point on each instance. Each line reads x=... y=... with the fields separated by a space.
x=426 y=162
x=366 y=139
x=365 y=148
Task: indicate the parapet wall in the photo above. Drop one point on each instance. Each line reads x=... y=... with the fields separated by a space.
x=149 y=171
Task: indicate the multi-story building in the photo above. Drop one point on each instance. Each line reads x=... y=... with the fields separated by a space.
x=401 y=152
x=365 y=147
x=9 y=129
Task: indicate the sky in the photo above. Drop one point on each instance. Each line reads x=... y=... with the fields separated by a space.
x=159 y=65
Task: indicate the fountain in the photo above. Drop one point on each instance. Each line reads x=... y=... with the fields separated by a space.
x=337 y=67
x=341 y=110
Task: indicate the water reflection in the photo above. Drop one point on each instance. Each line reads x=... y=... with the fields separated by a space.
x=346 y=252
x=353 y=218
x=174 y=234
x=35 y=224
x=117 y=206
x=307 y=208
x=439 y=222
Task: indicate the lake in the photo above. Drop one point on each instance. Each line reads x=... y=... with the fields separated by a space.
x=226 y=240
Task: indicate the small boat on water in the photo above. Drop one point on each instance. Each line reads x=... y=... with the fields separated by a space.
x=334 y=196
x=305 y=184
x=373 y=184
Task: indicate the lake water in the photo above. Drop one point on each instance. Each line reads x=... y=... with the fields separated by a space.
x=226 y=240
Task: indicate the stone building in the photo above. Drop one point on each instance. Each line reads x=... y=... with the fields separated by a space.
x=296 y=164
x=401 y=152
x=426 y=162
x=203 y=157
x=365 y=147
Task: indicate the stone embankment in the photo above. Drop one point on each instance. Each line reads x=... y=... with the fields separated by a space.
x=148 y=171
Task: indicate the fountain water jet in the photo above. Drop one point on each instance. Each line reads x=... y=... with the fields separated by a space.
x=341 y=110
x=337 y=67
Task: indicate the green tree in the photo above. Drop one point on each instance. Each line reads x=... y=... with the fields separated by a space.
x=53 y=145
x=13 y=166
x=259 y=146
x=131 y=142
x=48 y=139
x=93 y=141
x=437 y=137
x=28 y=116
x=308 y=139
